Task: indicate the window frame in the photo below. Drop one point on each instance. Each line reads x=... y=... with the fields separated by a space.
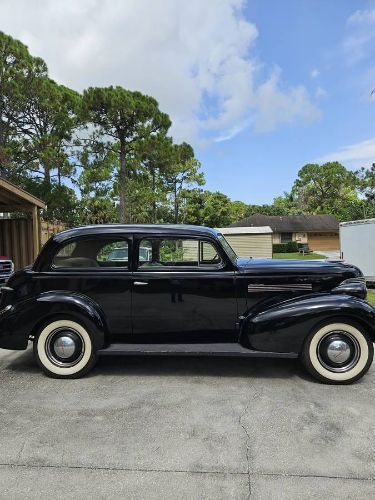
x=286 y=241
x=163 y=269
x=114 y=238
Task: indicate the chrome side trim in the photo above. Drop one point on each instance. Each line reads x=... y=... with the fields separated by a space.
x=295 y=287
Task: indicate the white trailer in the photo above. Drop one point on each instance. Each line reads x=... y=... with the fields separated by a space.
x=357 y=241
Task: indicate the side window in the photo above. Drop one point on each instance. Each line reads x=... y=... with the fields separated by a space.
x=177 y=253
x=208 y=254
x=93 y=253
x=168 y=252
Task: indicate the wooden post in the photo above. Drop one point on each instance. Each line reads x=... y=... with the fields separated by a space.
x=35 y=230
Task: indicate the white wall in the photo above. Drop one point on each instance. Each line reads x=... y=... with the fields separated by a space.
x=251 y=245
x=358 y=245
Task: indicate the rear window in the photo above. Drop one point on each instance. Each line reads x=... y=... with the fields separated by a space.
x=89 y=253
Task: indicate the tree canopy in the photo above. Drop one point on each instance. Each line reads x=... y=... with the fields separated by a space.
x=104 y=155
x=125 y=117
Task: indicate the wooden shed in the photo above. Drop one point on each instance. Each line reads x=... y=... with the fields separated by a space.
x=19 y=238
x=250 y=241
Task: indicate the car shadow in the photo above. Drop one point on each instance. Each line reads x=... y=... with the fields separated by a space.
x=19 y=361
x=199 y=366
x=177 y=366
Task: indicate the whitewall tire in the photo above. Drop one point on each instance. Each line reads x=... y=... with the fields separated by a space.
x=64 y=349
x=338 y=353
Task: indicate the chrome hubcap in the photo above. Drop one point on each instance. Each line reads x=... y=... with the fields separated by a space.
x=64 y=347
x=338 y=351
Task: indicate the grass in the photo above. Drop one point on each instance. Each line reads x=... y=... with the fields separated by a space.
x=298 y=256
x=371 y=297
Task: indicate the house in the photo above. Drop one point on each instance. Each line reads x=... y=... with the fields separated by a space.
x=321 y=232
x=250 y=241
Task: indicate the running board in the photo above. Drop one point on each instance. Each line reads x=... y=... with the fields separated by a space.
x=222 y=349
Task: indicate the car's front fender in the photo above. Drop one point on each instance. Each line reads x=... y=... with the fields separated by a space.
x=26 y=317
x=283 y=327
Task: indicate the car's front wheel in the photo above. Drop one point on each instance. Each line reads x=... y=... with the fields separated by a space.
x=338 y=353
x=64 y=349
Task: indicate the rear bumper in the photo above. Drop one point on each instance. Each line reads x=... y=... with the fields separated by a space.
x=9 y=339
x=4 y=278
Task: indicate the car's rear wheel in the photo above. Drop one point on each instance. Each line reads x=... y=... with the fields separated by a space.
x=64 y=349
x=338 y=353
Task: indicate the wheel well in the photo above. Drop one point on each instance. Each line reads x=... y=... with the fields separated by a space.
x=343 y=319
x=85 y=322
x=38 y=327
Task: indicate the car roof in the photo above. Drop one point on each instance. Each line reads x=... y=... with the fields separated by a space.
x=154 y=229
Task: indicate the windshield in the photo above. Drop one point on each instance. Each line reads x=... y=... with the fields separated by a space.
x=228 y=249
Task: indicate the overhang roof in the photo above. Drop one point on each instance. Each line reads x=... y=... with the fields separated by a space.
x=13 y=198
x=246 y=230
x=292 y=223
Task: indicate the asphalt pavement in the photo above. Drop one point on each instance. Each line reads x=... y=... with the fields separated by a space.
x=184 y=428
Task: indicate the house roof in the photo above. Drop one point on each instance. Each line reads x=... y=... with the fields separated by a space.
x=292 y=223
x=246 y=230
x=13 y=198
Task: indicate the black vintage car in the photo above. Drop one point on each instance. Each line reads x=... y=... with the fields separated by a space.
x=150 y=289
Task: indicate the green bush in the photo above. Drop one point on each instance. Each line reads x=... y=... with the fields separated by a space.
x=280 y=248
x=292 y=247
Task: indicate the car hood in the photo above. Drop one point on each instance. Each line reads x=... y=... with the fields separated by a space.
x=294 y=267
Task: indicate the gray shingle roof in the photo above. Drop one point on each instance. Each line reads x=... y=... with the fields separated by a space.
x=292 y=223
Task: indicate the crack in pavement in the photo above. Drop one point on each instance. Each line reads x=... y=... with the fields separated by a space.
x=247 y=447
x=256 y=395
x=185 y=471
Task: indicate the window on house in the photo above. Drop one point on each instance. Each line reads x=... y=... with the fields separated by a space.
x=286 y=237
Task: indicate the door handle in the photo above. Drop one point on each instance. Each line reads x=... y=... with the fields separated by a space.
x=140 y=283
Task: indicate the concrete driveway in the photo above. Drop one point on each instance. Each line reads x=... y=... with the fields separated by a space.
x=194 y=428
x=330 y=254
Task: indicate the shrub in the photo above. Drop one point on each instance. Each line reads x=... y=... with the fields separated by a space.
x=292 y=246
x=280 y=248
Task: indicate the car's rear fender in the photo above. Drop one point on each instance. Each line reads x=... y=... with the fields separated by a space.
x=283 y=327
x=27 y=317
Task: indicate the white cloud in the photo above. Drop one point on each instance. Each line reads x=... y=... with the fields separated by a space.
x=357 y=155
x=314 y=73
x=276 y=105
x=366 y=16
x=360 y=39
x=320 y=92
x=194 y=57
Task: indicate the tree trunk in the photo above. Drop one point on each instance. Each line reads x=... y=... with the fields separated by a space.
x=175 y=203
x=47 y=176
x=153 y=173
x=122 y=181
x=59 y=176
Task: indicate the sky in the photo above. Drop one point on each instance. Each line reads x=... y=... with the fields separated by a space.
x=258 y=87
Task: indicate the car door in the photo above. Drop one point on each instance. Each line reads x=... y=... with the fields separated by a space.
x=183 y=290
x=96 y=266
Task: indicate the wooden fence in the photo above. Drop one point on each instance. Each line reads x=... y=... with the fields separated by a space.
x=16 y=239
x=50 y=228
